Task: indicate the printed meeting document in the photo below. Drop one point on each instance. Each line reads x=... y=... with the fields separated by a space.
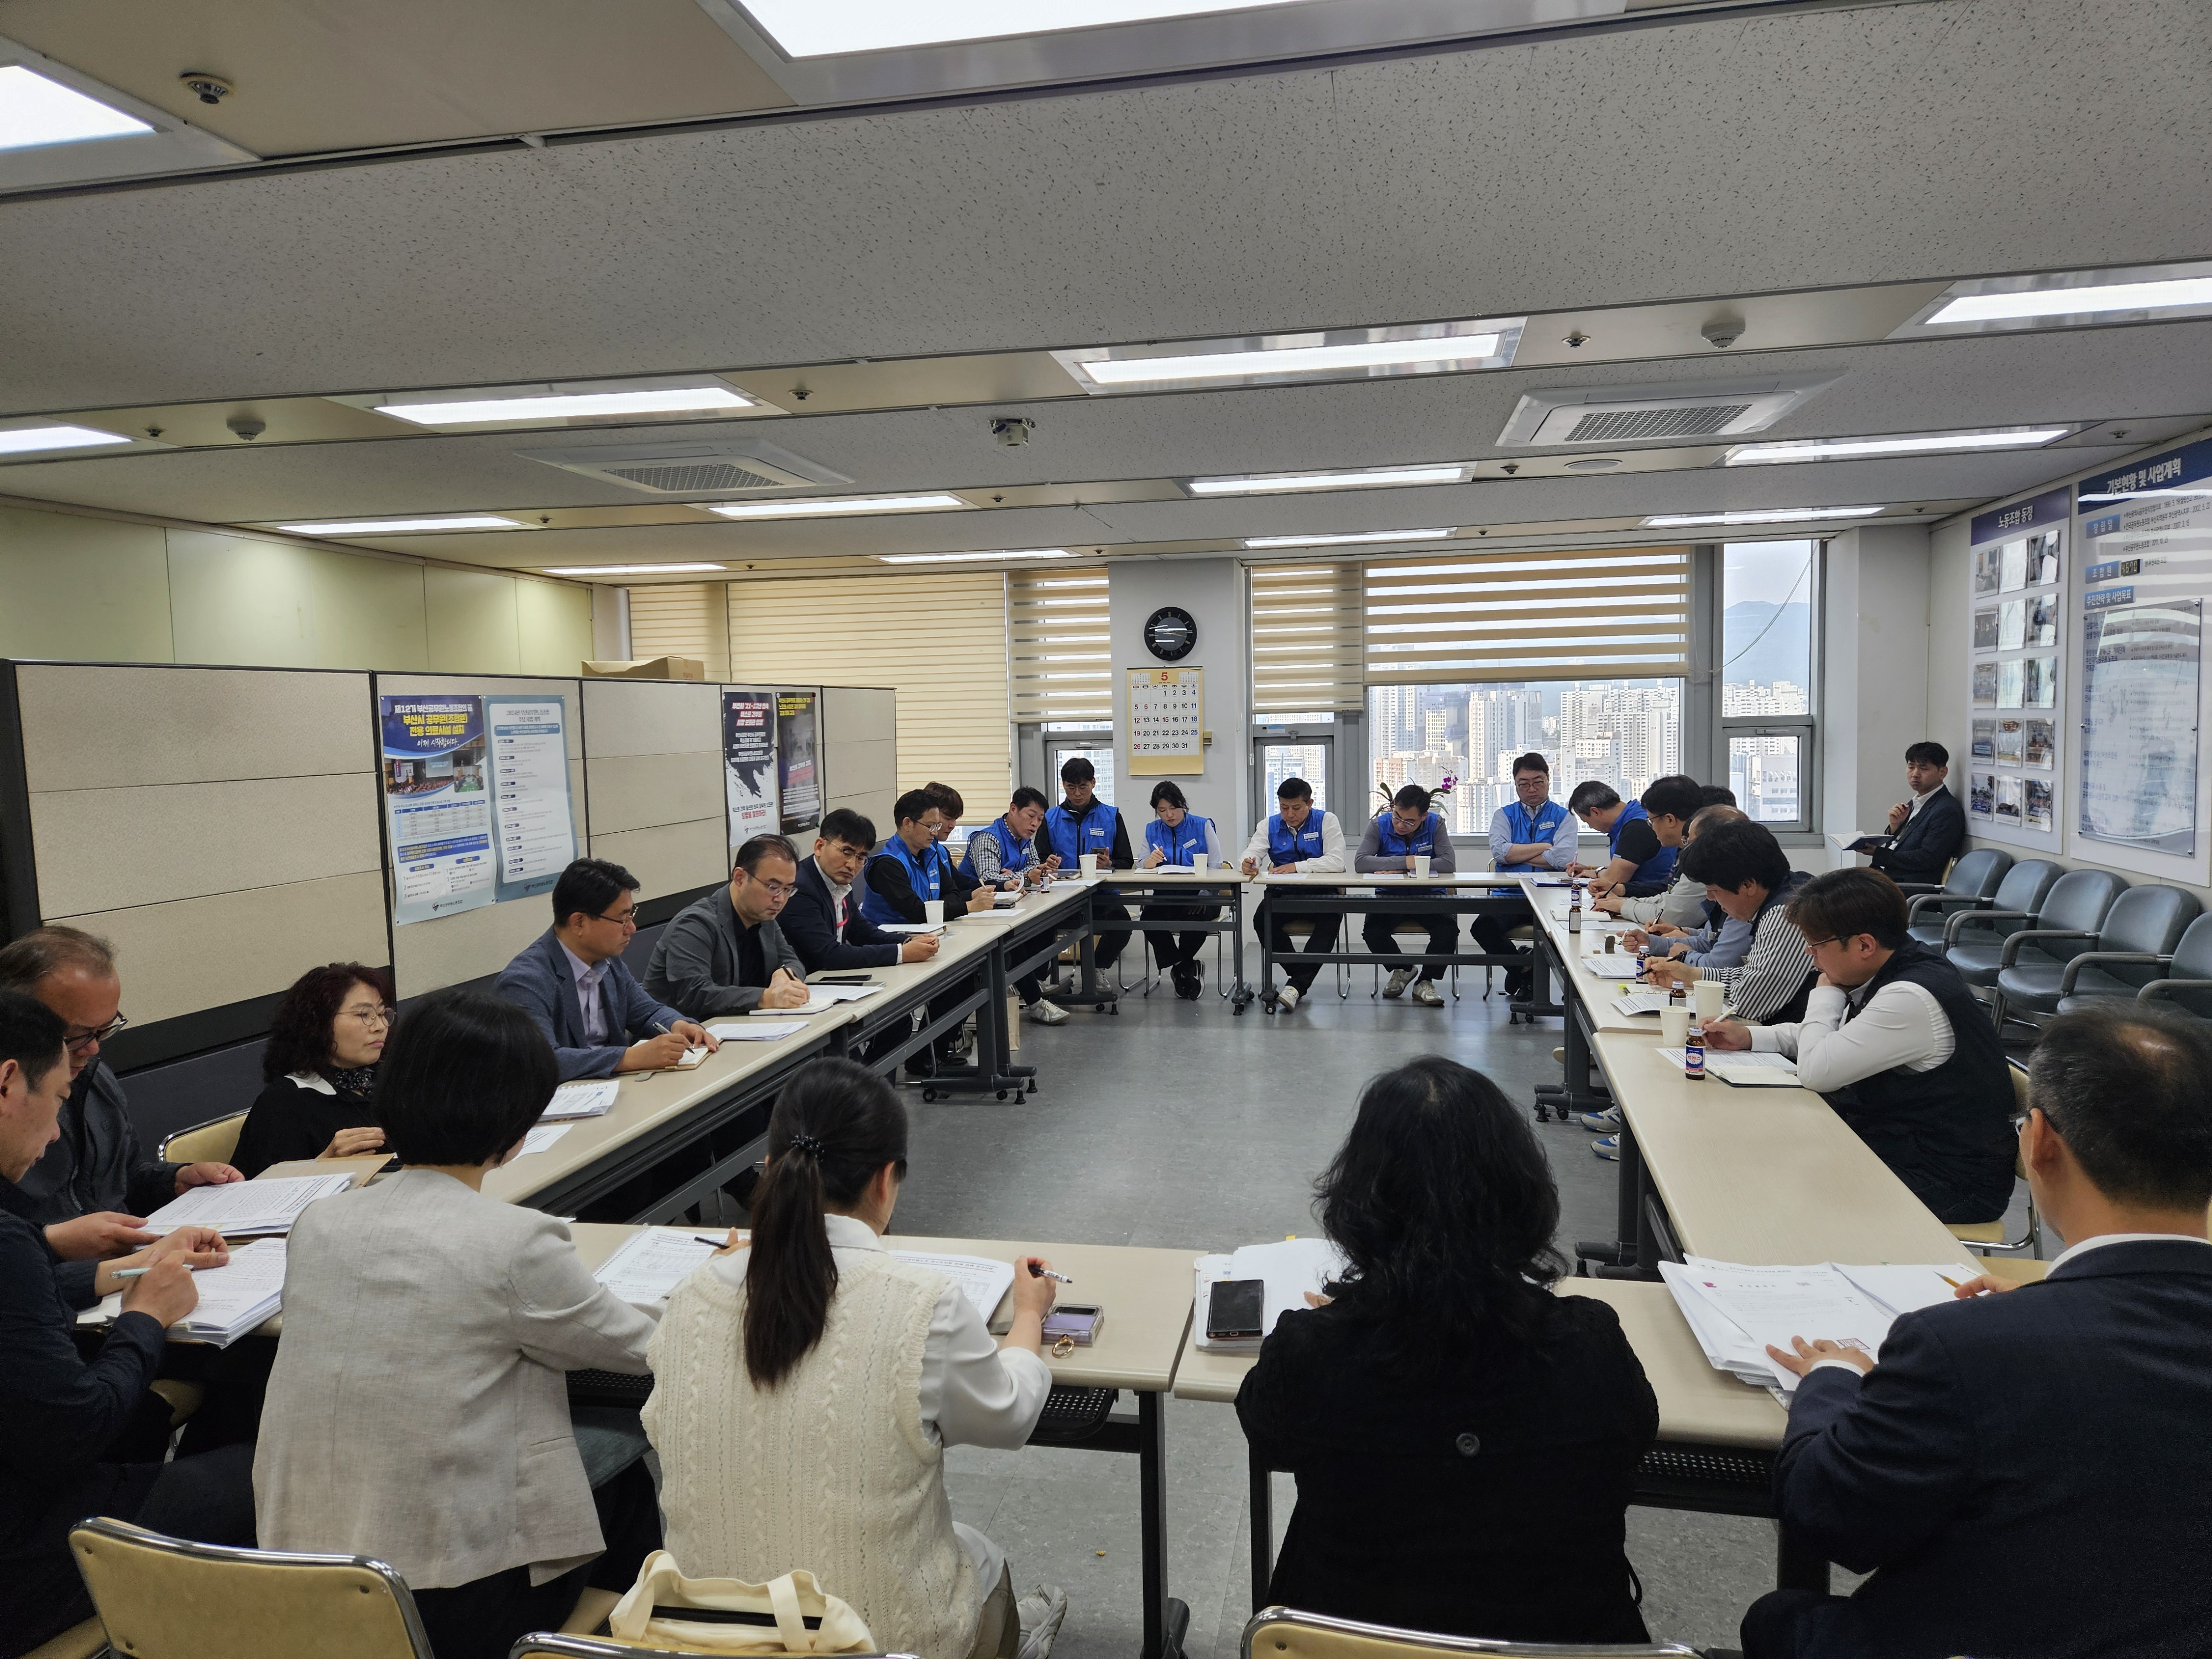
x=242 y=1208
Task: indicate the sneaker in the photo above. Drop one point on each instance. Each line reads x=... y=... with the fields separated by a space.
x=1286 y=999
x=1426 y=994
x=1042 y=1613
x=1400 y=979
x=1042 y=1013
x=1605 y=1122
x=1188 y=981
x=1608 y=1148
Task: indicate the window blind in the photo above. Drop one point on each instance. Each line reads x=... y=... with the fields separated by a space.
x=681 y=619
x=1306 y=638
x=939 y=641
x=1059 y=639
x=1598 y=614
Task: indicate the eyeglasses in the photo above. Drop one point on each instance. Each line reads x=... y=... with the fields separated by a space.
x=85 y=1043
x=1815 y=944
x=627 y=919
x=371 y=1017
x=780 y=890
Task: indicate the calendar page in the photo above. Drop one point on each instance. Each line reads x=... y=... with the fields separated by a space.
x=1167 y=720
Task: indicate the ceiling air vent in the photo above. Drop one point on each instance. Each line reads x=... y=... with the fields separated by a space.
x=1621 y=414
x=690 y=470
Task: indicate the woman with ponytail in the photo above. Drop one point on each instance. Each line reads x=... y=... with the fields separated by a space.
x=805 y=1387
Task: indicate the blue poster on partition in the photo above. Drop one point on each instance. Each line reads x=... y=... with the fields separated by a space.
x=437 y=807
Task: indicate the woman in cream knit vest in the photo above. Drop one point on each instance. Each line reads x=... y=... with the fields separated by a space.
x=805 y=1389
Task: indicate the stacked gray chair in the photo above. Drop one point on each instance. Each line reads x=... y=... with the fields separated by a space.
x=1972 y=885
x=2132 y=948
x=1973 y=940
x=2072 y=916
x=2187 y=984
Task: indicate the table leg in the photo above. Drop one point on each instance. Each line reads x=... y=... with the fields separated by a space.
x=1628 y=1210
x=1166 y=1620
x=1263 y=1527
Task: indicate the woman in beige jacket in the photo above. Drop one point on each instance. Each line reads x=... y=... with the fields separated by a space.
x=417 y=1412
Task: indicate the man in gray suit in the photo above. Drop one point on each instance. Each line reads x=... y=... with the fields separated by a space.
x=726 y=954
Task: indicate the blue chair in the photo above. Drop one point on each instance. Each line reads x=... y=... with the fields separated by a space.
x=2188 y=981
x=2135 y=947
x=2070 y=922
x=1973 y=940
x=1972 y=885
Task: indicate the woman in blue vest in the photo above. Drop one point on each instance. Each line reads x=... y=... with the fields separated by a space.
x=1405 y=828
x=1084 y=825
x=1640 y=865
x=1530 y=834
x=1298 y=837
x=1178 y=838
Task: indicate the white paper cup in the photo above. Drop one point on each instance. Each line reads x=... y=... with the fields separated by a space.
x=1095 y=863
x=1674 y=1027
x=1710 y=998
x=1420 y=863
x=933 y=911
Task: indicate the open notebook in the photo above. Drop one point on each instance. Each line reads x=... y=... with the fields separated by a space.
x=651 y=1264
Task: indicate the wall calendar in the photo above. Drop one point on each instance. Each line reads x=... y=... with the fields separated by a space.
x=1167 y=720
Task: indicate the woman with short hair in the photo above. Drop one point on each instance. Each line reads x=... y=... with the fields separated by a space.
x=1178 y=838
x=1465 y=1441
x=319 y=1070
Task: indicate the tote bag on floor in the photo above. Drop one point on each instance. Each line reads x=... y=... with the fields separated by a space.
x=790 y=1614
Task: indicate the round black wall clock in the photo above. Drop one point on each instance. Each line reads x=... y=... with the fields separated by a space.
x=1170 y=635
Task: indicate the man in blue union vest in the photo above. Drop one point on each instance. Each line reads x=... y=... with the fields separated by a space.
x=1640 y=863
x=1403 y=831
x=906 y=872
x=1529 y=833
x=1083 y=825
x=1296 y=838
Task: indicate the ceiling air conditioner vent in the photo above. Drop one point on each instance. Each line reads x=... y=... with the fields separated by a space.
x=1619 y=414
x=690 y=470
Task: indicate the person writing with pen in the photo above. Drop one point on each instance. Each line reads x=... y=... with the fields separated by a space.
x=726 y=953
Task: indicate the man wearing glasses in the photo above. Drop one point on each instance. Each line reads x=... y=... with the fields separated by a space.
x=726 y=954
x=94 y=1187
x=574 y=983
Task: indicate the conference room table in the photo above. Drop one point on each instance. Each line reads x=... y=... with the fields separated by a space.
x=1222 y=891
x=1312 y=897
x=1585 y=999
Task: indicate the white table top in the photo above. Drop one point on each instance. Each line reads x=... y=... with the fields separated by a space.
x=1597 y=995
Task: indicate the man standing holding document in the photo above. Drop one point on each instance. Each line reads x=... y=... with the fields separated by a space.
x=2029 y=1471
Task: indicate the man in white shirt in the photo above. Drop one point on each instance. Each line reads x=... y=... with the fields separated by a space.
x=1295 y=840
x=1893 y=1040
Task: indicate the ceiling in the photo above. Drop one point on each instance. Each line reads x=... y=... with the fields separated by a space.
x=1745 y=152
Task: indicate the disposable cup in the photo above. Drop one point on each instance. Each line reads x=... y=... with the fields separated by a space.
x=1095 y=863
x=1674 y=1027
x=1421 y=864
x=1710 y=996
x=933 y=911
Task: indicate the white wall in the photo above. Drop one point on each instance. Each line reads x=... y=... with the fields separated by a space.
x=1875 y=642
x=1211 y=591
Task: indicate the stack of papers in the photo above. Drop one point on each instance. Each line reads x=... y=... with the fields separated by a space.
x=983 y=1281
x=758 y=1031
x=238 y=1296
x=1289 y=1269
x=543 y=1137
x=1743 y=1070
x=1618 y=965
x=653 y=1263
x=590 y=1098
x=242 y=1209
x=1639 y=1002
x=912 y=927
x=1736 y=1311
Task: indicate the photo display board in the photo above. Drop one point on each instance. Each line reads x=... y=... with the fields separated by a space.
x=2147 y=556
x=531 y=813
x=1167 y=720
x=798 y=758
x=2016 y=600
x=749 y=769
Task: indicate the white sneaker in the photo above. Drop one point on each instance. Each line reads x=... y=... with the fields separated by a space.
x=1400 y=979
x=1042 y=1013
x=1426 y=994
x=1042 y=1613
x=1287 y=998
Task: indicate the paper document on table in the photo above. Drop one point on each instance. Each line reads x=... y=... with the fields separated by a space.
x=820 y=999
x=757 y=1030
x=242 y=1208
x=981 y=1280
x=1639 y=1002
x=1747 y=1070
x=1771 y=1305
x=1903 y=1288
x=1614 y=965
x=543 y=1137
x=593 y=1097
x=651 y=1264
x=1290 y=1269
x=238 y=1297
x=911 y=928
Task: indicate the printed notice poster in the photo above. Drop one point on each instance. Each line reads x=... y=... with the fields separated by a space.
x=798 y=765
x=438 y=812
x=530 y=792
x=1167 y=720
x=749 y=764
x=2019 y=556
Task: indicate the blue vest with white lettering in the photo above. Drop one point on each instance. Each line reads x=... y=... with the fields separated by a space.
x=924 y=874
x=1071 y=835
x=1529 y=828
x=1183 y=845
x=1289 y=846
x=1013 y=851
x=1394 y=845
x=1656 y=868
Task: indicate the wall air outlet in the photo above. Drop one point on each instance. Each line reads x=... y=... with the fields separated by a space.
x=1624 y=414
x=691 y=470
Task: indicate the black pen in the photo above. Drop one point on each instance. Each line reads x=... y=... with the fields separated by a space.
x=1037 y=1272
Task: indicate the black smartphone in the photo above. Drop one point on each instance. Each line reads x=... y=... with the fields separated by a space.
x=1235 y=1309
x=843 y=979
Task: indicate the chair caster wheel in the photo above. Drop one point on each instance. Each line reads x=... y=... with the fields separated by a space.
x=1002 y=1094
x=928 y=1095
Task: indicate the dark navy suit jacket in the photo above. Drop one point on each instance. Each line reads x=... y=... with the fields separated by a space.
x=542 y=984
x=810 y=922
x=2028 y=1475
x=1930 y=839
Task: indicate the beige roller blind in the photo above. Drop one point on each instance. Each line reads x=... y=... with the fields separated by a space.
x=1059 y=639
x=1306 y=638
x=1603 y=613
x=938 y=641
x=687 y=619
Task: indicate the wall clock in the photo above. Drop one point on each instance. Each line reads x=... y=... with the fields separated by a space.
x=1170 y=634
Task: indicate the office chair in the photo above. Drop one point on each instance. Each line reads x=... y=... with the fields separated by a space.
x=1284 y=1633
x=1988 y=1238
x=211 y=1142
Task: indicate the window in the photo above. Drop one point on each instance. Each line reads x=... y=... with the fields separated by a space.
x=1059 y=644
x=1766 y=678
x=1306 y=643
x=1505 y=616
x=681 y=619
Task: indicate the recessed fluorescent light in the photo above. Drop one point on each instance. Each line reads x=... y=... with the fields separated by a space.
x=807 y=29
x=633 y=569
x=1351 y=540
x=2094 y=301
x=406 y=526
x=1757 y=515
x=1920 y=443
x=569 y=405
x=964 y=558
x=35 y=111
x=1272 y=359
x=32 y=440
x=826 y=506
x=1366 y=478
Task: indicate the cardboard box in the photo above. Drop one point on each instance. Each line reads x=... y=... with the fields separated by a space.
x=648 y=668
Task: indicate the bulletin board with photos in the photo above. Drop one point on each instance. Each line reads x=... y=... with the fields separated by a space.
x=2016 y=651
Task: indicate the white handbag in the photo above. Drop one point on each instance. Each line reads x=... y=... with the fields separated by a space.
x=726 y=1615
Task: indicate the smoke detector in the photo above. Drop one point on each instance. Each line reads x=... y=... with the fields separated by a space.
x=692 y=470
x=1622 y=414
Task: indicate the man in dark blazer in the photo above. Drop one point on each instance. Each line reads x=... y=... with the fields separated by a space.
x=574 y=983
x=2028 y=1472
x=726 y=953
x=1925 y=833
x=822 y=919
